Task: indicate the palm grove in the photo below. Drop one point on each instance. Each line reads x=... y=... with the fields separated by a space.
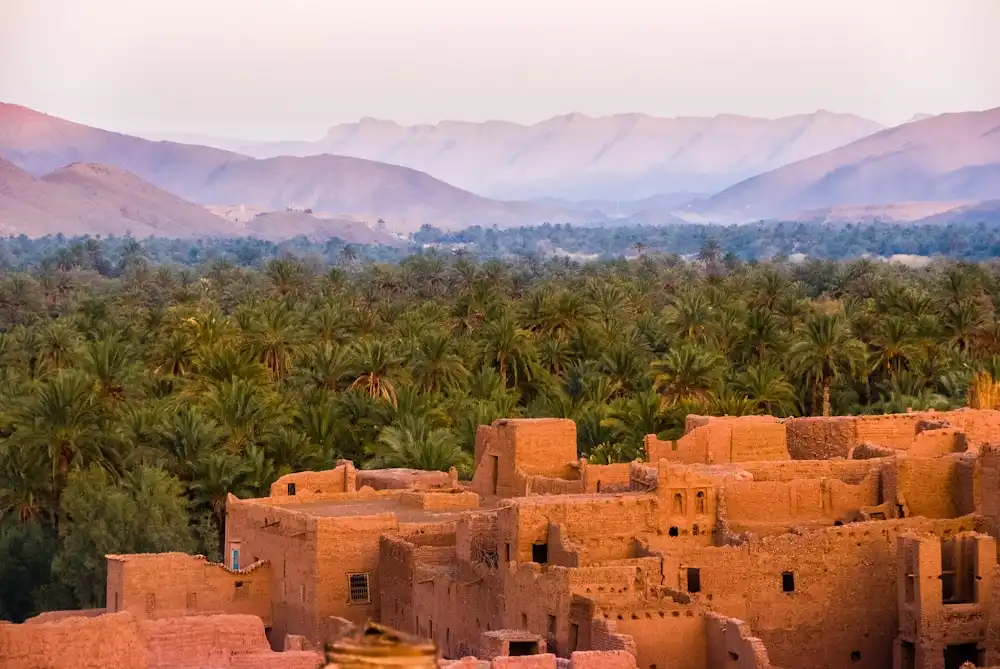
x=134 y=400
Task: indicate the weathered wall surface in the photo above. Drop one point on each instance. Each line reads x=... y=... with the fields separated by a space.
x=711 y=440
x=508 y=451
x=287 y=540
x=341 y=479
x=166 y=585
x=829 y=608
x=122 y=641
x=943 y=487
x=112 y=641
x=730 y=645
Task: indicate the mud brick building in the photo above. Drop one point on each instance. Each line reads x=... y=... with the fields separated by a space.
x=749 y=543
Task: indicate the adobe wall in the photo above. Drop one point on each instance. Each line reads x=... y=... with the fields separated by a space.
x=717 y=440
x=942 y=487
x=510 y=450
x=112 y=641
x=580 y=660
x=927 y=620
x=287 y=540
x=341 y=479
x=818 y=438
x=405 y=479
x=601 y=527
x=795 y=492
x=605 y=478
x=165 y=585
x=831 y=610
x=730 y=645
x=122 y=641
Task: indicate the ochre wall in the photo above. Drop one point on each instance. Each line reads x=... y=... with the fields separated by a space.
x=165 y=585
x=710 y=440
x=122 y=641
x=730 y=645
x=832 y=611
x=341 y=479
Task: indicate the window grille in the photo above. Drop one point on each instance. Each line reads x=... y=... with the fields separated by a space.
x=359 y=588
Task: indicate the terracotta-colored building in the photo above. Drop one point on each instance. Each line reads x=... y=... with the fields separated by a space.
x=849 y=542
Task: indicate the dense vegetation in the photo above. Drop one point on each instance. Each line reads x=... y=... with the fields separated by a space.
x=761 y=241
x=134 y=395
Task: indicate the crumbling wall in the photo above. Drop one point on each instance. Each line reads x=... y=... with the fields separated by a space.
x=942 y=487
x=719 y=440
x=405 y=479
x=933 y=443
x=112 y=641
x=809 y=597
x=341 y=479
x=605 y=478
x=122 y=641
x=772 y=505
x=510 y=450
x=730 y=645
x=818 y=438
x=166 y=585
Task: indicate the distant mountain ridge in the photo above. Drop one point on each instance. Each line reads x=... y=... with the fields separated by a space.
x=403 y=197
x=578 y=157
x=949 y=157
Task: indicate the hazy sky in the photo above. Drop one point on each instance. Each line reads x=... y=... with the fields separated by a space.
x=270 y=69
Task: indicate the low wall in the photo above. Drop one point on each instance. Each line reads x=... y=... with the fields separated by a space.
x=122 y=641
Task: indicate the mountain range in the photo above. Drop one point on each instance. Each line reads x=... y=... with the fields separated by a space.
x=820 y=166
x=574 y=157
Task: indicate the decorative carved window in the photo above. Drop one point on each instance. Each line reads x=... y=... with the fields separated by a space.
x=192 y=600
x=150 y=603
x=359 y=585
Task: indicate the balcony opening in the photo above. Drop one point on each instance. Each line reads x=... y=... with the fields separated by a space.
x=957 y=655
x=693 y=579
x=520 y=648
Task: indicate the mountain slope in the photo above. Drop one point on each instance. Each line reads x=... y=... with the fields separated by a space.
x=576 y=157
x=96 y=199
x=403 y=197
x=285 y=224
x=981 y=212
x=942 y=158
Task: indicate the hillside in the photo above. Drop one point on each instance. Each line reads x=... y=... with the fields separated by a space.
x=980 y=212
x=577 y=157
x=97 y=199
x=403 y=197
x=943 y=158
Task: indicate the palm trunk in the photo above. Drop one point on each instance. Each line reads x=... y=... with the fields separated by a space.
x=826 y=399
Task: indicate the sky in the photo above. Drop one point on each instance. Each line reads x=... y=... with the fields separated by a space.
x=289 y=69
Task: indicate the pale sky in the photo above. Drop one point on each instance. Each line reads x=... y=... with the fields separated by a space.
x=288 y=69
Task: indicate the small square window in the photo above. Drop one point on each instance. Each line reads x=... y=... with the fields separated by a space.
x=291 y=488
x=787 y=582
x=855 y=656
x=359 y=588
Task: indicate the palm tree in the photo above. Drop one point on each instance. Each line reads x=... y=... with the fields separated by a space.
x=435 y=365
x=768 y=388
x=510 y=348
x=376 y=368
x=631 y=419
x=687 y=373
x=276 y=340
x=411 y=443
x=825 y=351
x=62 y=422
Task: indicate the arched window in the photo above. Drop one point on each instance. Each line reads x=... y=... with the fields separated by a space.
x=700 y=501
x=678 y=503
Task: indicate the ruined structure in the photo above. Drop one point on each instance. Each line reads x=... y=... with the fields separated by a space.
x=749 y=543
